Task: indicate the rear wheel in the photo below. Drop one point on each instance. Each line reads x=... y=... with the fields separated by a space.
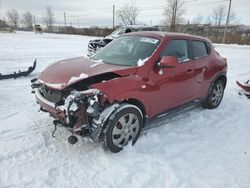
x=215 y=95
x=123 y=126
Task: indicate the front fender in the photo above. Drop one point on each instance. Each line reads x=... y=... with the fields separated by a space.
x=129 y=87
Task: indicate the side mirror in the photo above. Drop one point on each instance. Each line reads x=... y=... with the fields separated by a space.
x=168 y=62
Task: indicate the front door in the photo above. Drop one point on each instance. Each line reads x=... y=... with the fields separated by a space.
x=173 y=86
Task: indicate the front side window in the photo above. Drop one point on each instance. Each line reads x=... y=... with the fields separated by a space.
x=178 y=49
x=199 y=49
x=127 y=50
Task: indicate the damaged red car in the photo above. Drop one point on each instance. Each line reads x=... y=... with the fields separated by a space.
x=139 y=76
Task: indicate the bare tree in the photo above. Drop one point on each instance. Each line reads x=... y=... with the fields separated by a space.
x=128 y=14
x=49 y=18
x=209 y=20
x=27 y=20
x=219 y=15
x=197 y=20
x=13 y=18
x=174 y=13
x=233 y=19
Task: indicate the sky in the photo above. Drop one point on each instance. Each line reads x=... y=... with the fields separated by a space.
x=85 y=13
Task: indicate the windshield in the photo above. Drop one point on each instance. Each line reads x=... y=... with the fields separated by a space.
x=127 y=50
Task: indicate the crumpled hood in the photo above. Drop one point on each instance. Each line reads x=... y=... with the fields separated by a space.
x=67 y=72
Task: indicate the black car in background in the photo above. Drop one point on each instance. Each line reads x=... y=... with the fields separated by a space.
x=95 y=45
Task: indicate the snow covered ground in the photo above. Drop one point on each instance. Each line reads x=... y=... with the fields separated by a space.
x=196 y=149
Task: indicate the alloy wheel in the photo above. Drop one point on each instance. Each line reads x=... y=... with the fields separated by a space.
x=217 y=94
x=125 y=129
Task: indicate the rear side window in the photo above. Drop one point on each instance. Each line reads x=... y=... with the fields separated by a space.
x=199 y=49
x=178 y=49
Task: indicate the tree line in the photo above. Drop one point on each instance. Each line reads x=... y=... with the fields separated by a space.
x=211 y=26
x=27 y=20
x=173 y=20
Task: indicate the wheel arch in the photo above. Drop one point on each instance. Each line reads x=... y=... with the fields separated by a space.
x=138 y=104
x=223 y=78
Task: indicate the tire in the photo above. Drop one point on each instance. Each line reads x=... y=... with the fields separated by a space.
x=215 y=95
x=123 y=126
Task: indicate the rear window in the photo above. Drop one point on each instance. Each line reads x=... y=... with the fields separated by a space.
x=199 y=49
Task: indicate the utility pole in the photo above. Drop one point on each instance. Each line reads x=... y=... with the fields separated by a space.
x=34 y=20
x=113 y=16
x=0 y=9
x=64 y=19
x=228 y=15
x=78 y=23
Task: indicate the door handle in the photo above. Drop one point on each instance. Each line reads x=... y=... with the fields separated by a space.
x=189 y=71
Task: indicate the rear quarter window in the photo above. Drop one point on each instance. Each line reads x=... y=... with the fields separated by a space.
x=199 y=49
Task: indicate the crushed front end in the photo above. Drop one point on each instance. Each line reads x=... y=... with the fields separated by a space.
x=82 y=112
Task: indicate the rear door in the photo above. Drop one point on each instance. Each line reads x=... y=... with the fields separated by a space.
x=173 y=86
x=202 y=62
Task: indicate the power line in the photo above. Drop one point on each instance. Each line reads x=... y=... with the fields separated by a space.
x=204 y=3
x=113 y=16
x=192 y=3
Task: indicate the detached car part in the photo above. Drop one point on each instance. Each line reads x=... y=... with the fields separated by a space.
x=245 y=88
x=19 y=74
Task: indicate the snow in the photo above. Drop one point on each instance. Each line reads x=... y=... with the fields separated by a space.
x=98 y=62
x=141 y=62
x=56 y=86
x=75 y=79
x=197 y=148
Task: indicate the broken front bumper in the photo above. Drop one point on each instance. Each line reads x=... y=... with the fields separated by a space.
x=79 y=111
x=49 y=106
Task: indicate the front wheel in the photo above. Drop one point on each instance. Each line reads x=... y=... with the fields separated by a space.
x=215 y=95
x=123 y=126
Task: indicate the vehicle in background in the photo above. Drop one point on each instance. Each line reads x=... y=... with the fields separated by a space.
x=38 y=29
x=97 y=44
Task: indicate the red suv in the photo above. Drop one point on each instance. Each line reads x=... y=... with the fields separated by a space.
x=136 y=77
